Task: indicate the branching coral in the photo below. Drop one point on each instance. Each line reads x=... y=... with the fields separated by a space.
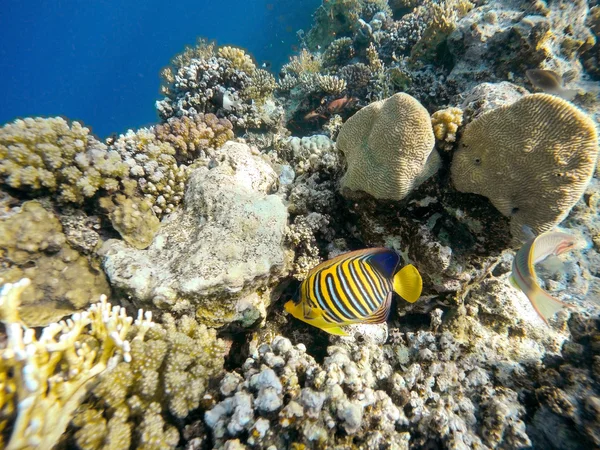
x=445 y=125
x=194 y=136
x=239 y=59
x=169 y=370
x=261 y=88
x=331 y=84
x=152 y=165
x=389 y=148
x=52 y=155
x=43 y=380
x=338 y=52
x=532 y=159
x=33 y=245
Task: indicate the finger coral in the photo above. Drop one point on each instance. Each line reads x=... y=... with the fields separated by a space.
x=51 y=155
x=194 y=136
x=151 y=163
x=169 y=371
x=240 y=60
x=44 y=379
x=532 y=159
x=33 y=245
x=389 y=148
x=445 y=125
x=261 y=88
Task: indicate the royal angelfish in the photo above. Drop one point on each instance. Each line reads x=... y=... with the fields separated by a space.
x=355 y=287
x=523 y=276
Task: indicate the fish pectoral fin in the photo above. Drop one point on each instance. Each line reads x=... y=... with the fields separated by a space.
x=408 y=283
x=545 y=305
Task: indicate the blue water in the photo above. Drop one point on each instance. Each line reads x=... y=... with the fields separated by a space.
x=98 y=60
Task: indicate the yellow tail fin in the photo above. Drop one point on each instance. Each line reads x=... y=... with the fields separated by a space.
x=408 y=283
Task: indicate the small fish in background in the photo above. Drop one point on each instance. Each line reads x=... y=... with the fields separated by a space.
x=355 y=287
x=523 y=277
x=551 y=82
x=266 y=65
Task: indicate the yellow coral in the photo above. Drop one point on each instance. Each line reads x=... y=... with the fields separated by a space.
x=331 y=84
x=445 y=125
x=389 y=148
x=239 y=59
x=532 y=159
x=43 y=380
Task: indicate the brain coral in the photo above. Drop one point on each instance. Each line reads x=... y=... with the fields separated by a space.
x=532 y=159
x=389 y=148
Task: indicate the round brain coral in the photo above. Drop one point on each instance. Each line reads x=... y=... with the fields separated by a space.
x=532 y=159
x=389 y=148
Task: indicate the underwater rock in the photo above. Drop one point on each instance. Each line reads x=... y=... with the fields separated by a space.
x=220 y=254
x=489 y=96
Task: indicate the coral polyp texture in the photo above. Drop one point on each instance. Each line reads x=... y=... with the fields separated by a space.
x=53 y=155
x=533 y=160
x=389 y=148
x=33 y=245
x=46 y=377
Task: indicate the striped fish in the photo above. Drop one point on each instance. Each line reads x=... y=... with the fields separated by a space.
x=523 y=275
x=354 y=287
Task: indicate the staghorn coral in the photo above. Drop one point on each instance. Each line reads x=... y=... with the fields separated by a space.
x=32 y=245
x=194 y=136
x=152 y=165
x=331 y=84
x=168 y=374
x=389 y=148
x=532 y=159
x=239 y=59
x=51 y=155
x=445 y=124
x=44 y=379
x=261 y=88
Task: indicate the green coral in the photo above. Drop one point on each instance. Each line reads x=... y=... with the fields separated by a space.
x=33 y=245
x=43 y=380
x=194 y=136
x=51 y=155
x=170 y=367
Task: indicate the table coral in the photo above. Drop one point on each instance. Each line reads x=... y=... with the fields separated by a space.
x=532 y=159
x=52 y=155
x=167 y=375
x=33 y=245
x=389 y=148
x=44 y=379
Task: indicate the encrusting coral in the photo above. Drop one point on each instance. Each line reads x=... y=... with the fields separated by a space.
x=51 y=155
x=389 y=148
x=169 y=370
x=32 y=245
x=44 y=379
x=532 y=159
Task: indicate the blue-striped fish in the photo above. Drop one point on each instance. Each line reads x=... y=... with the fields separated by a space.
x=355 y=287
x=523 y=275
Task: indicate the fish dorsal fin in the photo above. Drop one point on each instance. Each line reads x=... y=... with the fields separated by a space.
x=347 y=255
x=385 y=261
x=408 y=283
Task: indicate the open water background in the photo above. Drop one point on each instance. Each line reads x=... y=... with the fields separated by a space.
x=98 y=61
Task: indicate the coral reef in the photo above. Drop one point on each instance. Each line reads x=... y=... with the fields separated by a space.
x=45 y=378
x=51 y=155
x=169 y=370
x=389 y=148
x=532 y=159
x=219 y=256
x=194 y=136
x=32 y=245
x=152 y=164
